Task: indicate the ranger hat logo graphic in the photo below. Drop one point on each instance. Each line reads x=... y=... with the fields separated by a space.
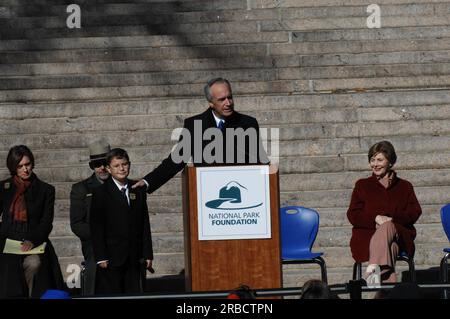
x=231 y=198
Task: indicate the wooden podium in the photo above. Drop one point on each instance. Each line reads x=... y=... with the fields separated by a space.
x=225 y=264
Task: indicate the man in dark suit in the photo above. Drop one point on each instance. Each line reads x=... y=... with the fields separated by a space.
x=218 y=136
x=80 y=203
x=120 y=229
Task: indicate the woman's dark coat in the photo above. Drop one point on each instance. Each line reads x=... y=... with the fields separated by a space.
x=40 y=201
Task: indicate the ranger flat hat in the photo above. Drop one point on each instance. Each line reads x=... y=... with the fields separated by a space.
x=98 y=151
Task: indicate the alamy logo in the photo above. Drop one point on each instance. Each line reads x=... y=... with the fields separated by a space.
x=74 y=19
x=374 y=20
x=241 y=146
x=232 y=197
x=73 y=279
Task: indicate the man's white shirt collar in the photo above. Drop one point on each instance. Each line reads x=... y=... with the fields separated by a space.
x=119 y=186
x=217 y=119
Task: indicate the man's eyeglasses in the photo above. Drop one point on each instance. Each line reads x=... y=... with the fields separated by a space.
x=97 y=164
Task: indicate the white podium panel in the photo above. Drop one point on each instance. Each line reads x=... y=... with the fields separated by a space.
x=233 y=202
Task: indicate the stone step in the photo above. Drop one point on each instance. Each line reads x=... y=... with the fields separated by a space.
x=254 y=105
x=428 y=249
x=312 y=183
x=68 y=246
x=341 y=198
x=295 y=132
x=330 y=72
x=227 y=51
x=346 y=179
x=366 y=46
x=274 y=87
x=352 y=145
x=150 y=11
x=370 y=129
x=86 y=40
x=214 y=14
x=127 y=92
x=298 y=277
x=169 y=264
x=160 y=223
x=62 y=2
x=150 y=79
x=336 y=163
x=340 y=236
x=173 y=222
x=148 y=18
x=293 y=275
x=318 y=74
x=212 y=32
x=334 y=242
x=339 y=163
x=317 y=157
x=164 y=264
x=174 y=263
x=129 y=54
x=415 y=32
x=341 y=170
x=136 y=39
x=334 y=147
x=431 y=170
x=324 y=198
x=162 y=203
x=341 y=276
x=304 y=62
x=256 y=4
x=336 y=217
x=252 y=4
x=156 y=7
x=70 y=168
x=350 y=23
x=341 y=257
x=329 y=119
x=78 y=160
x=134 y=66
x=187 y=31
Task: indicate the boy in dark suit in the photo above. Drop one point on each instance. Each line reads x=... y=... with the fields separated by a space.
x=120 y=229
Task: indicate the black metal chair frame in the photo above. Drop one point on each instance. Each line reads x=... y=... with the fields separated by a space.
x=317 y=260
x=444 y=272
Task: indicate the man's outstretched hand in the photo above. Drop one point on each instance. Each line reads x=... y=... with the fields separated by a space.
x=140 y=183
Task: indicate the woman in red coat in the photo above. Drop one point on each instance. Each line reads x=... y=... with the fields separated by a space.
x=383 y=210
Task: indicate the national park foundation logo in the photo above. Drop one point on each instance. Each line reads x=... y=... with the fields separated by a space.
x=233 y=206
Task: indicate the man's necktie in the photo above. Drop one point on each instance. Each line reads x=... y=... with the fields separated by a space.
x=124 y=193
x=221 y=125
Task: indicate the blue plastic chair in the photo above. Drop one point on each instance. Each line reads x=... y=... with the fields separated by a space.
x=55 y=294
x=445 y=219
x=299 y=226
